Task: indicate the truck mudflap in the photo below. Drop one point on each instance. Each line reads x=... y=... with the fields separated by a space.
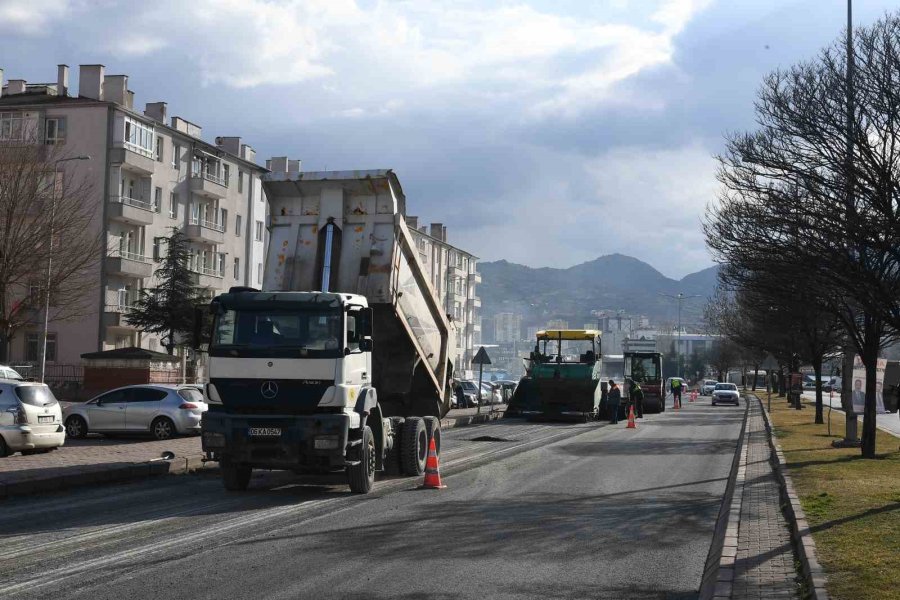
x=313 y=443
x=555 y=398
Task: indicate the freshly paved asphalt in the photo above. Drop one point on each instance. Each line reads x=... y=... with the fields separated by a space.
x=532 y=510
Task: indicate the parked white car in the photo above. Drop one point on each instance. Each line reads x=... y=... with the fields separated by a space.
x=159 y=409
x=30 y=418
x=726 y=392
x=7 y=372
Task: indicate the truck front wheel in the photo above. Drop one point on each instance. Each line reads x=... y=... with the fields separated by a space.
x=413 y=446
x=235 y=478
x=361 y=476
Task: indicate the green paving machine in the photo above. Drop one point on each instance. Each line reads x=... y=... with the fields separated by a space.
x=562 y=379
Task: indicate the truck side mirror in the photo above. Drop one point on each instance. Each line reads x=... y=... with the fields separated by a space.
x=366 y=344
x=365 y=323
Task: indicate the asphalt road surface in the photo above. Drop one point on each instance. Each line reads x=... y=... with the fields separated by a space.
x=532 y=510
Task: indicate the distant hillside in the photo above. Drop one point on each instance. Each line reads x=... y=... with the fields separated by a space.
x=610 y=282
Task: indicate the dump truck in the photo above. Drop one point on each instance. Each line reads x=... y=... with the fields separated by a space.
x=562 y=377
x=646 y=369
x=342 y=361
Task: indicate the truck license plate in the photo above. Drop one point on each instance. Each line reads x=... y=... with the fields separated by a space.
x=43 y=419
x=265 y=431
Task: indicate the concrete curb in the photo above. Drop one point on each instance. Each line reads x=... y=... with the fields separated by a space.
x=121 y=472
x=812 y=571
x=718 y=572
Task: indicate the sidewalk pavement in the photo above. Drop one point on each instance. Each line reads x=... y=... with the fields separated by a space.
x=888 y=422
x=758 y=557
x=101 y=459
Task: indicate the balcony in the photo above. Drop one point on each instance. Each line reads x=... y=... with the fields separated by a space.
x=128 y=264
x=204 y=277
x=130 y=210
x=201 y=230
x=133 y=158
x=475 y=277
x=114 y=318
x=209 y=185
x=474 y=302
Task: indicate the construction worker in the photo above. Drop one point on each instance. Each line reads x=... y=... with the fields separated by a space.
x=637 y=399
x=676 y=392
x=612 y=401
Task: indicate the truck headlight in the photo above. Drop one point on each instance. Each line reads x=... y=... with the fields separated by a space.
x=326 y=442
x=212 y=439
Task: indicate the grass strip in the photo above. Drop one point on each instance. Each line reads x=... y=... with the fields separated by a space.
x=852 y=504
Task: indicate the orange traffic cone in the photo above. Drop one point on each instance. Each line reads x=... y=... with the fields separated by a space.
x=631 y=423
x=432 y=472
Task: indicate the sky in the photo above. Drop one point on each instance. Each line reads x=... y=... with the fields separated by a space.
x=546 y=133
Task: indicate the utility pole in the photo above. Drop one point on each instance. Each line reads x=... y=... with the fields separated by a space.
x=50 y=262
x=851 y=427
x=680 y=297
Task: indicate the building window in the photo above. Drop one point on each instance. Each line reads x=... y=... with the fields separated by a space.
x=221 y=264
x=237 y=268
x=159 y=148
x=240 y=182
x=226 y=173
x=258 y=272
x=157 y=200
x=33 y=347
x=223 y=219
x=237 y=225
x=139 y=137
x=173 y=206
x=157 y=249
x=259 y=231
x=12 y=127
x=55 y=131
x=176 y=157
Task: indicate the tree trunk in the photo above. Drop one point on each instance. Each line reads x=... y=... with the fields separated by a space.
x=4 y=347
x=781 y=386
x=817 y=369
x=755 y=376
x=872 y=342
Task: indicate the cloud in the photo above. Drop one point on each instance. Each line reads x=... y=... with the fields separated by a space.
x=31 y=17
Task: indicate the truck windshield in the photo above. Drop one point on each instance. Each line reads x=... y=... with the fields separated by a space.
x=642 y=368
x=278 y=333
x=565 y=351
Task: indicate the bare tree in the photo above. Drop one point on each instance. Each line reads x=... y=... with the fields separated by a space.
x=40 y=198
x=794 y=206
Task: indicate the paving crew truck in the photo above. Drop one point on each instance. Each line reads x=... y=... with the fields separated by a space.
x=342 y=361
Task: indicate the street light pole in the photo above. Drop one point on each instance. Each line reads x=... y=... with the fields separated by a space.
x=679 y=297
x=50 y=262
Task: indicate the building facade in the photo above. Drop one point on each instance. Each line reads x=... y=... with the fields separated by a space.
x=507 y=327
x=150 y=174
x=455 y=277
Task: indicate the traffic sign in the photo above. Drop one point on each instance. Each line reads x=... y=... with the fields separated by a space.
x=482 y=357
x=769 y=364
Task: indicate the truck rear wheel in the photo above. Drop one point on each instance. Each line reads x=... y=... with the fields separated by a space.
x=235 y=478
x=413 y=446
x=361 y=476
x=433 y=427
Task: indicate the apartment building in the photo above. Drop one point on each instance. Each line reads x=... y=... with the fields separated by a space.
x=151 y=173
x=454 y=277
x=507 y=327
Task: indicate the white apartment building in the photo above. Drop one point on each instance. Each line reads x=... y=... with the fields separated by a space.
x=150 y=174
x=507 y=327
x=454 y=277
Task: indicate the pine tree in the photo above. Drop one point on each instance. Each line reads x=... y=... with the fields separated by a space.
x=168 y=308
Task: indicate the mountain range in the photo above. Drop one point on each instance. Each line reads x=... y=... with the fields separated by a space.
x=612 y=282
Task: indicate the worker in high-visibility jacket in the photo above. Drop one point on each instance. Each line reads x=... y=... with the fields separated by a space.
x=676 y=391
x=637 y=399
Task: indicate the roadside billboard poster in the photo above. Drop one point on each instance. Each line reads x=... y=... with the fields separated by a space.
x=858 y=394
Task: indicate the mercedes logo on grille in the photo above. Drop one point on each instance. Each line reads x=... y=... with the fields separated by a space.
x=269 y=390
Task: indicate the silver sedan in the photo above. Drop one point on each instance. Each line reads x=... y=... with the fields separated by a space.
x=726 y=392
x=159 y=409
